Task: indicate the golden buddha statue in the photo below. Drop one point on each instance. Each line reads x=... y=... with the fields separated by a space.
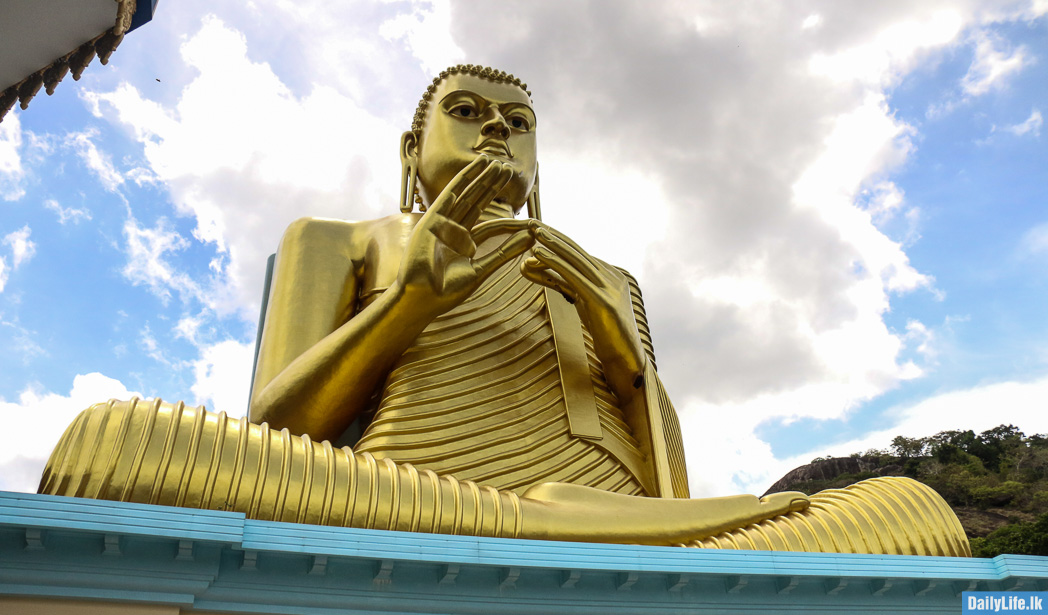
x=503 y=378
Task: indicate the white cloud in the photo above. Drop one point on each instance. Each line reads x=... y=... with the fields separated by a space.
x=993 y=63
x=188 y=328
x=892 y=52
x=152 y=347
x=67 y=214
x=570 y=182
x=885 y=200
x=147 y=263
x=95 y=159
x=978 y=408
x=22 y=249
x=1032 y=125
x=22 y=341
x=12 y=173
x=244 y=156
x=865 y=143
x=919 y=334
x=427 y=33
x=223 y=376
x=34 y=423
x=755 y=467
x=1034 y=241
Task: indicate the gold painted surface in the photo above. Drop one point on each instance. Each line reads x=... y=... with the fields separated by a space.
x=480 y=396
x=170 y=454
x=887 y=515
x=506 y=377
x=176 y=455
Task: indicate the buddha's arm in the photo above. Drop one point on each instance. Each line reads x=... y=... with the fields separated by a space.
x=318 y=366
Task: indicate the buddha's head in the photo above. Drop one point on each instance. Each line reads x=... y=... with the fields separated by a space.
x=469 y=111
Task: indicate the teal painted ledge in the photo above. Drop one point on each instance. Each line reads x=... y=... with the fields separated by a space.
x=59 y=547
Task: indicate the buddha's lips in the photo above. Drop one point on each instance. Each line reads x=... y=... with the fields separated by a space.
x=491 y=146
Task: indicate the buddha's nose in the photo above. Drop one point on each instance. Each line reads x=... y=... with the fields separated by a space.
x=495 y=126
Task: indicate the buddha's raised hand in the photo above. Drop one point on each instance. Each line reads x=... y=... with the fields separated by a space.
x=601 y=295
x=440 y=268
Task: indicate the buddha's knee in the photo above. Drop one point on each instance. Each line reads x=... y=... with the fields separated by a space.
x=113 y=449
x=154 y=452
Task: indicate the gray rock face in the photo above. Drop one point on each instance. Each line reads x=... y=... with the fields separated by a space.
x=828 y=469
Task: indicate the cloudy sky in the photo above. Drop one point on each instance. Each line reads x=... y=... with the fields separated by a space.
x=838 y=211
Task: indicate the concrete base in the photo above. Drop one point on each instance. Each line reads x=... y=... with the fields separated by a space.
x=67 y=555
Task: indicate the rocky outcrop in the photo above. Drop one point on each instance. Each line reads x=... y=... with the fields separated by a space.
x=832 y=469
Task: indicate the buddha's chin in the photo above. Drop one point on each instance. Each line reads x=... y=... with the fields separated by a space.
x=515 y=193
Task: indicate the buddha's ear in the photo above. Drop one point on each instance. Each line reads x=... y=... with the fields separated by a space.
x=408 y=146
x=408 y=170
x=534 y=206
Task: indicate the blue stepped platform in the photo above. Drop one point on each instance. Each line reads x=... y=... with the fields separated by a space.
x=59 y=548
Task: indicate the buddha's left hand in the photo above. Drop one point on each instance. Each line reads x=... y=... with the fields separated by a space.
x=601 y=295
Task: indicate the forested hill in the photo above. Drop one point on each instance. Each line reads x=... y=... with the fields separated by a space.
x=996 y=482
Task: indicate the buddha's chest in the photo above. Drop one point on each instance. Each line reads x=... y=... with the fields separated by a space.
x=480 y=395
x=495 y=347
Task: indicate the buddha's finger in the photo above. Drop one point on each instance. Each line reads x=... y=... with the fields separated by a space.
x=468 y=196
x=486 y=230
x=784 y=502
x=445 y=203
x=455 y=236
x=571 y=253
x=514 y=246
x=567 y=240
x=505 y=175
x=532 y=269
x=582 y=285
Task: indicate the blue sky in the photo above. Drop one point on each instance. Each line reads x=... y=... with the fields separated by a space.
x=837 y=211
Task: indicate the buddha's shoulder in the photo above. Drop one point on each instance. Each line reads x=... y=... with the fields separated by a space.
x=325 y=226
x=316 y=231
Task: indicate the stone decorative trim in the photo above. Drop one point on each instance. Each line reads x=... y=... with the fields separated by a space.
x=57 y=550
x=75 y=61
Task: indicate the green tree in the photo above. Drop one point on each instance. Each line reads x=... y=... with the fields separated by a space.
x=908 y=448
x=1025 y=538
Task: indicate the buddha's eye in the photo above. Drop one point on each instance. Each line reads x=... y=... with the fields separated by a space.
x=464 y=111
x=519 y=123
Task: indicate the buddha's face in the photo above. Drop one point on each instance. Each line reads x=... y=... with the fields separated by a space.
x=469 y=116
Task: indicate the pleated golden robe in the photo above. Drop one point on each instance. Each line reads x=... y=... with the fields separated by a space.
x=480 y=396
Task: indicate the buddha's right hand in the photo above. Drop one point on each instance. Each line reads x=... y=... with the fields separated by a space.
x=440 y=268
x=557 y=511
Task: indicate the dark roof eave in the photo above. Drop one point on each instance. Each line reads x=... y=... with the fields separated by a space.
x=75 y=61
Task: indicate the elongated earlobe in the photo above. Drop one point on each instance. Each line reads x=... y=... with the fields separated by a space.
x=534 y=206
x=408 y=171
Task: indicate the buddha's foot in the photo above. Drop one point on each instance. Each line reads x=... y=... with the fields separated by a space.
x=887 y=515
